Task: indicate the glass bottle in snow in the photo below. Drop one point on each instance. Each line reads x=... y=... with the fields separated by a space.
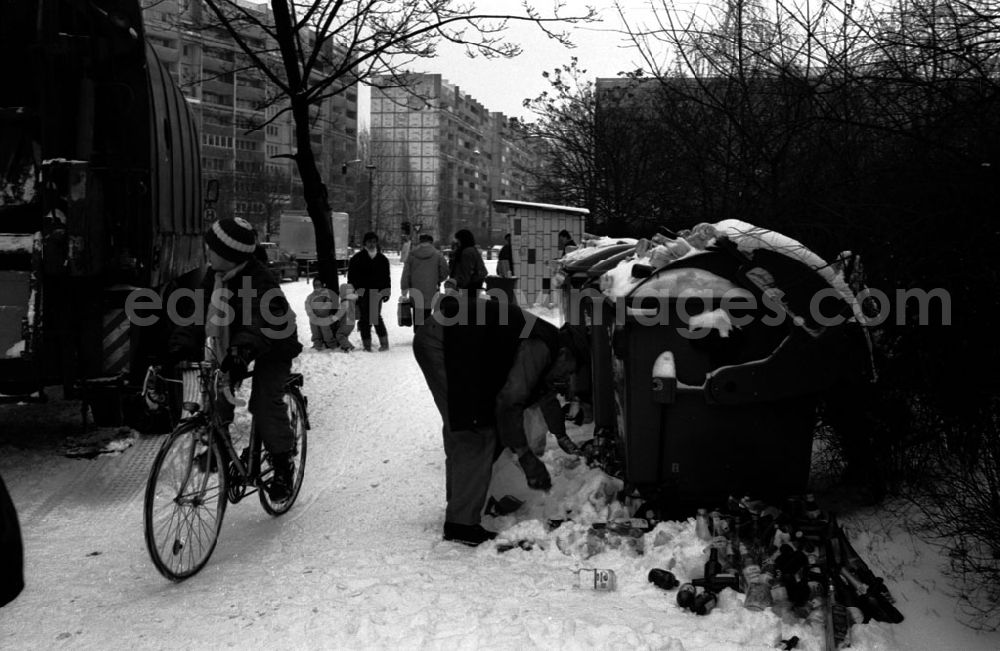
x=712 y=566
x=704 y=603
x=701 y=526
x=596 y=579
x=686 y=595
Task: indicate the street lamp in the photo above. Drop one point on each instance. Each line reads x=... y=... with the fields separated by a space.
x=371 y=198
x=489 y=198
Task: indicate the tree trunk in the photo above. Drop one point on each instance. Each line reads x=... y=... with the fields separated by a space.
x=317 y=200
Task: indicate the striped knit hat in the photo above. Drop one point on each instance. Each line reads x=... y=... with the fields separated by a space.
x=234 y=239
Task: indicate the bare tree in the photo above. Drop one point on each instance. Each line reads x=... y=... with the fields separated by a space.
x=316 y=49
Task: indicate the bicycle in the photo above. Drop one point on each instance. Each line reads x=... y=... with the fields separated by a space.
x=198 y=471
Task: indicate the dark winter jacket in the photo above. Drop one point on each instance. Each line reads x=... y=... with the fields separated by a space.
x=368 y=273
x=484 y=352
x=263 y=324
x=11 y=550
x=423 y=272
x=506 y=255
x=468 y=269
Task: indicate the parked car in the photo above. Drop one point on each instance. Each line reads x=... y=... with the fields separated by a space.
x=281 y=263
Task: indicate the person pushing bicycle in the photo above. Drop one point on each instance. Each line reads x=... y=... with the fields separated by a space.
x=246 y=318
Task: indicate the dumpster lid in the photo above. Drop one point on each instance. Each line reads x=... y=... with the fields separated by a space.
x=663 y=253
x=749 y=238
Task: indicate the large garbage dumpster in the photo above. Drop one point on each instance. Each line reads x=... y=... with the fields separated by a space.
x=718 y=362
x=580 y=295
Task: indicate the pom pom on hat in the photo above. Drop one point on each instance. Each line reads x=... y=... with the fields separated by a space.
x=233 y=239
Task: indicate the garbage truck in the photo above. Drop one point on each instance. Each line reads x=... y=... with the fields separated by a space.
x=297 y=236
x=100 y=195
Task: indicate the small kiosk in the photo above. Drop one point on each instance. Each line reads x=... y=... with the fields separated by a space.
x=533 y=229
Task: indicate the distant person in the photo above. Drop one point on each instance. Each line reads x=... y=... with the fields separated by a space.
x=11 y=549
x=505 y=263
x=404 y=249
x=320 y=306
x=343 y=325
x=368 y=272
x=566 y=243
x=467 y=270
x=484 y=374
x=423 y=272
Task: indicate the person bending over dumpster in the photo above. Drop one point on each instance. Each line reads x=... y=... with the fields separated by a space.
x=485 y=362
x=248 y=319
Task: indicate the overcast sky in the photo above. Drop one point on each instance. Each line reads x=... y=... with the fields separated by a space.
x=503 y=84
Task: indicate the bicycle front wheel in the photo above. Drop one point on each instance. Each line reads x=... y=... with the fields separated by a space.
x=297 y=418
x=185 y=501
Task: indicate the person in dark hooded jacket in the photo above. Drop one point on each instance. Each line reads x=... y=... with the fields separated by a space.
x=467 y=270
x=246 y=318
x=368 y=272
x=486 y=362
x=423 y=272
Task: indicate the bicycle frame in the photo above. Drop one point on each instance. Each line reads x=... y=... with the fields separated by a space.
x=204 y=388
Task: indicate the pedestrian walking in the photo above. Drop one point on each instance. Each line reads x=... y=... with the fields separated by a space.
x=505 y=263
x=467 y=270
x=423 y=272
x=368 y=272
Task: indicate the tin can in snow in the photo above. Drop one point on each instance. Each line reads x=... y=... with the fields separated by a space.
x=601 y=580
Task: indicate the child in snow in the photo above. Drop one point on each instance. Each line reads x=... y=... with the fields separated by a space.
x=320 y=306
x=346 y=316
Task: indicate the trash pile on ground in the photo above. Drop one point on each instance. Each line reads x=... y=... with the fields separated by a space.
x=794 y=560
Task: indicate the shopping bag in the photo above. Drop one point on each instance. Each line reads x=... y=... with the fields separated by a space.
x=405 y=312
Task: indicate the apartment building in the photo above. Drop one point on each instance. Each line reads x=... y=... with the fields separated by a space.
x=243 y=130
x=442 y=158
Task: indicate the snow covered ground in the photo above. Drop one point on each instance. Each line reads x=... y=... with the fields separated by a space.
x=359 y=561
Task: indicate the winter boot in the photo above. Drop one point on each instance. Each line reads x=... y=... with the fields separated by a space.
x=280 y=488
x=383 y=342
x=367 y=345
x=467 y=534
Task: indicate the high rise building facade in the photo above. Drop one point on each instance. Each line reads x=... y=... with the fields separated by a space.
x=244 y=130
x=442 y=158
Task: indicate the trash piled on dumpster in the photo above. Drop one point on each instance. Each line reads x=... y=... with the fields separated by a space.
x=660 y=250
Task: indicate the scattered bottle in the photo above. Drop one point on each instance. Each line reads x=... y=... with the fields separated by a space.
x=712 y=566
x=686 y=595
x=600 y=580
x=704 y=603
x=871 y=602
x=701 y=526
x=663 y=579
x=758 y=596
x=790 y=643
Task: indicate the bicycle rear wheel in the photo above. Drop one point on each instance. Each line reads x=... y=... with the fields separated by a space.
x=185 y=501
x=299 y=423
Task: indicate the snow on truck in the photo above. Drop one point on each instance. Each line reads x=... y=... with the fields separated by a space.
x=297 y=236
x=100 y=194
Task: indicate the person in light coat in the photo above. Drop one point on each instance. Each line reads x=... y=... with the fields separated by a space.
x=423 y=272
